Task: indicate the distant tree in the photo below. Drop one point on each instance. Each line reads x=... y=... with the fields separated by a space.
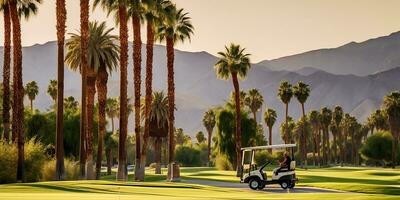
x=285 y=94
x=111 y=144
x=179 y=136
x=234 y=63
x=286 y=129
x=200 y=137
x=70 y=104
x=52 y=90
x=391 y=106
x=112 y=111
x=254 y=100
x=326 y=118
x=209 y=123
x=270 y=119
x=31 y=90
x=302 y=91
x=314 y=117
x=376 y=148
x=337 y=116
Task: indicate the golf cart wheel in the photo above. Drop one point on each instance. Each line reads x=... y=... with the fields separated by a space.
x=261 y=186
x=291 y=185
x=254 y=184
x=285 y=185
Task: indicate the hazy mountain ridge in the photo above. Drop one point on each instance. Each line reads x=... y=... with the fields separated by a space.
x=364 y=58
x=198 y=88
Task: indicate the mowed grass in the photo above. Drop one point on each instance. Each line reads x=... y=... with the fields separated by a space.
x=352 y=179
x=111 y=190
x=372 y=183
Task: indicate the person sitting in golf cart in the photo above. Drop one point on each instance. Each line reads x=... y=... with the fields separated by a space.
x=285 y=164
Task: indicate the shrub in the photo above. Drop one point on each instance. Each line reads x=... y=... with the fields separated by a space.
x=222 y=163
x=378 y=148
x=35 y=157
x=187 y=156
x=71 y=170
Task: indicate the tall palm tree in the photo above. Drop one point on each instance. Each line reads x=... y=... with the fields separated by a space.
x=326 y=118
x=285 y=94
x=84 y=59
x=52 y=90
x=270 y=119
x=120 y=8
x=136 y=11
x=314 y=117
x=4 y=8
x=112 y=111
x=234 y=63
x=159 y=115
x=103 y=54
x=61 y=15
x=18 y=8
x=302 y=91
x=209 y=123
x=31 y=90
x=254 y=100
x=70 y=104
x=176 y=27
x=287 y=130
x=337 y=116
x=391 y=105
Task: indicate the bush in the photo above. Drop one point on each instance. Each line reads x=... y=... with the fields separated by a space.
x=71 y=170
x=378 y=148
x=153 y=165
x=222 y=163
x=35 y=157
x=187 y=156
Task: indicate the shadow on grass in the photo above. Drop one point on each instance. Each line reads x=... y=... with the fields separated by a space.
x=76 y=189
x=325 y=179
x=384 y=173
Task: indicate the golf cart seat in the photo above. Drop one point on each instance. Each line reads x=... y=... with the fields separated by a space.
x=292 y=167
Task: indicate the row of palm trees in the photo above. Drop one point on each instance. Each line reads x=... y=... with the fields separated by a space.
x=95 y=53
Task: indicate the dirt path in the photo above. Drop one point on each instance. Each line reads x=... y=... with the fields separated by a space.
x=268 y=188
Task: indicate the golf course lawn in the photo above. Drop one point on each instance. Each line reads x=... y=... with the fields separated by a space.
x=372 y=183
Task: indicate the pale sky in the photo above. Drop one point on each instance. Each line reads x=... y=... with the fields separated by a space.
x=267 y=28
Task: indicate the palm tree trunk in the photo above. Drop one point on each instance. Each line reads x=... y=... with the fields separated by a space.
x=304 y=136
x=137 y=70
x=6 y=73
x=157 y=154
x=89 y=134
x=286 y=123
x=101 y=85
x=61 y=14
x=84 y=17
x=112 y=125
x=18 y=100
x=123 y=122
x=31 y=104
x=255 y=116
x=344 y=149
x=109 y=160
x=237 y=128
x=270 y=138
x=209 y=148
x=334 y=148
x=328 y=155
x=148 y=97
x=314 y=146
x=171 y=99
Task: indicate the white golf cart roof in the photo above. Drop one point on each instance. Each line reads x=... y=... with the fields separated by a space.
x=275 y=146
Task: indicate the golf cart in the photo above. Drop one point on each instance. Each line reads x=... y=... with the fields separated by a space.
x=257 y=177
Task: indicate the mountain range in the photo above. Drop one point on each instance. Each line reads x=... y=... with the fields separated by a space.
x=355 y=76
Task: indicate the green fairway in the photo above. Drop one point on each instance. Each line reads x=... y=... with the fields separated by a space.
x=371 y=183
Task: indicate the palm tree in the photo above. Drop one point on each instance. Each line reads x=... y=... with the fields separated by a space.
x=326 y=118
x=337 y=117
x=344 y=126
x=391 y=105
x=200 y=137
x=159 y=117
x=120 y=7
x=176 y=27
x=234 y=63
x=136 y=11
x=103 y=54
x=18 y=8
x=254 y=100
x=302 y=91
x=285 y=94
x=84 y=61
x=31 y=90
x=70 y=104
x=52 y=90
x=4 y=8
x=270 y=119
x=110 y=144
x=314 y=118
x=209 y=123
x=112 y=111
x=61 y=13
x=287 y=130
